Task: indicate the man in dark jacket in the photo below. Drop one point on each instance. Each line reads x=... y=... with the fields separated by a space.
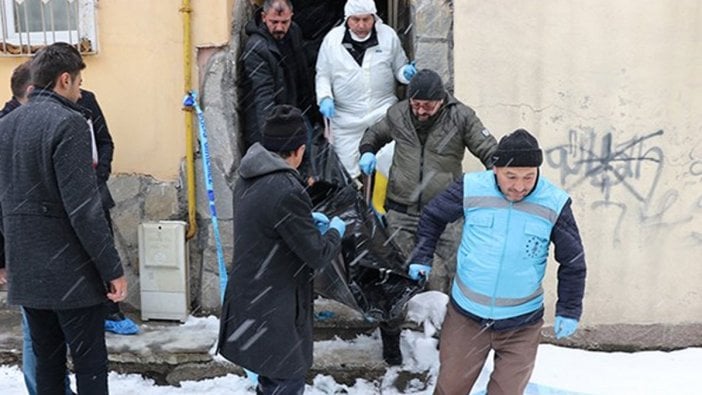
x=266 y=320
x=20 y=85
x=58 y=247
x=431 y=130
x=275 y=68
x=115 y=320
x=511 y=216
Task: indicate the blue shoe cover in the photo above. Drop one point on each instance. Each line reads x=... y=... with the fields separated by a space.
x=123 y=327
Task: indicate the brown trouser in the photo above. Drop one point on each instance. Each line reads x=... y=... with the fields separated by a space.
x=464 y=347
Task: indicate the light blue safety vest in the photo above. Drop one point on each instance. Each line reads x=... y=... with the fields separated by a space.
x=504 y=248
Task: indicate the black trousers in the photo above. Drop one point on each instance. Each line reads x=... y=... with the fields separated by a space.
x=83 y=330
x=270 y=386
x=112 y=310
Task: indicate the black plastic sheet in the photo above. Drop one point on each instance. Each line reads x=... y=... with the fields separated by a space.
x=369 y=275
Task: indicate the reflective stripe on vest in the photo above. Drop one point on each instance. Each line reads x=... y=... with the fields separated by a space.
x=499 y=202
x=499 y=302
x=503 y=278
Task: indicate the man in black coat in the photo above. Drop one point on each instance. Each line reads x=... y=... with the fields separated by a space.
x=275 y=68
x=267 y=313
x=20 y=85
x=115 y=320
x=58 y=248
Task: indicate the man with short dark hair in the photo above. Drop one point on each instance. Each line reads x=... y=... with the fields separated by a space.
x=266 y=320
x=58 y=247
x=20 y=85
x=511 y=216
x=274 y=69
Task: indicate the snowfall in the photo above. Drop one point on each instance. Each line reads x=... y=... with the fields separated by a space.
x=558 y=370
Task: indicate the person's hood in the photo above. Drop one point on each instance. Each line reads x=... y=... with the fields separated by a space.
x=361 y=7
x=258 y=161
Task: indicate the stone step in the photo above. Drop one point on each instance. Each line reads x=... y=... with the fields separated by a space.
x=171 y=352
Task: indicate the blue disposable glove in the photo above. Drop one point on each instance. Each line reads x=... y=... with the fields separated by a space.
x=564 y=327
x=409 y=70
x=338 y=224
x=326 y=107
x=416 y=270
x=321 y=221
x=367 y=163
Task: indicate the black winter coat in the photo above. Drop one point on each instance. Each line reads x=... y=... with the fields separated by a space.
x=103 y=142
x=268 y=79
x=266 y=320
x=58 y=247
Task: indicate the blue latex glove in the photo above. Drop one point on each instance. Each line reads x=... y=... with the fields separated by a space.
x=367 y=163
x=409 y=70
x=416 y=270
x=338 y=224
x=321 y=221
x=326 y=107
x=564 y=327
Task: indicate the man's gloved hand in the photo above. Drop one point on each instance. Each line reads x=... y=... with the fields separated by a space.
x=409 y=70
x=564 y=327
x=417 y=270
x=321 y=221
x=326 y=107
x=338 y=224
x=367 y=163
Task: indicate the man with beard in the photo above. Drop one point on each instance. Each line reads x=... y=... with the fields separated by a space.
x=275 y=69
x=431 y=130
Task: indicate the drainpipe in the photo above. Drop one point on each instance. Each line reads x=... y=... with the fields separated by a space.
x=189 y=149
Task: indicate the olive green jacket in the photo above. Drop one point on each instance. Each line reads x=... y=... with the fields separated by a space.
x=419 y=172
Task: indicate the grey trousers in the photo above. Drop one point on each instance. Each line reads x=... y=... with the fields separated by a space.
x=402 y=229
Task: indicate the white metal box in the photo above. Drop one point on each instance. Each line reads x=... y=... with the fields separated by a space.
x=164 y=271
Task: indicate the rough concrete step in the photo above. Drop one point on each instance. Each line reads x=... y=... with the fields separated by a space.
x=171 y=352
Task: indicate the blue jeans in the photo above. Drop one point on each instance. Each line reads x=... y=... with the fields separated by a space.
x=29 y=361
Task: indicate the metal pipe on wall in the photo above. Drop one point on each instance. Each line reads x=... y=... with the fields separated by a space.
x=186 y=9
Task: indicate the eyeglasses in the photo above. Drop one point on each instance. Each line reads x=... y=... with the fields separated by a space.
x=426 y=105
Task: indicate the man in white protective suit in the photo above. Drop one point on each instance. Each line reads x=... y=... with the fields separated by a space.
x=357 y=66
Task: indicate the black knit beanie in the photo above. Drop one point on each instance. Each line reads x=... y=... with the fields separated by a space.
x=284 y=129
x=518 y=149
x=426 y=85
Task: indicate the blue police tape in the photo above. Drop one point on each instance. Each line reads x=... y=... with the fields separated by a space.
x=190 y=101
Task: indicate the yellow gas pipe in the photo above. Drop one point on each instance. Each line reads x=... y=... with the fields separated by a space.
x=189 y=150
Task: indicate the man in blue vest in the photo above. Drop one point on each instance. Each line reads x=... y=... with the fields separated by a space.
x=511 y=215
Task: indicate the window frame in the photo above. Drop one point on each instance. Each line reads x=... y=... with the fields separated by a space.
x=84 y=35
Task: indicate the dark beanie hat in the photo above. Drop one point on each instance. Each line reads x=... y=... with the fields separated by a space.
x=426 y=85
x=284 y=129
x=518 y=149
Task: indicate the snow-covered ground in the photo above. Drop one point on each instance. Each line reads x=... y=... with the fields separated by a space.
x=558 y=370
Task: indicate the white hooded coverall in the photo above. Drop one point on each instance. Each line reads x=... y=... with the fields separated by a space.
x=361 y=94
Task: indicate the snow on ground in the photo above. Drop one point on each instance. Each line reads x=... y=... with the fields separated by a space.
x=559 y=370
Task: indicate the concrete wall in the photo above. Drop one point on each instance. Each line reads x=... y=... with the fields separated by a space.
x=613 y=90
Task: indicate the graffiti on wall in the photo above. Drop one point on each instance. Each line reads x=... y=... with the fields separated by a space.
x=627 y=175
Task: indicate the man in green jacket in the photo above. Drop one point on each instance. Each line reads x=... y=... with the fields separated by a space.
x=431 y=130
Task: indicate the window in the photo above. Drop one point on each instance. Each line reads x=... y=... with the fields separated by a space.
x=28 y=25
